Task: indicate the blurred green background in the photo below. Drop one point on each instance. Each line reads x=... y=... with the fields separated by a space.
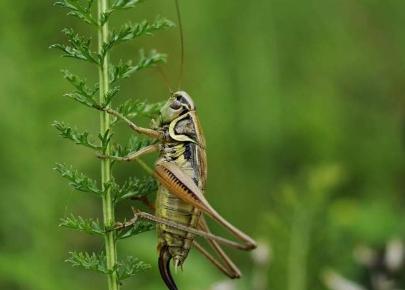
x=303 y=109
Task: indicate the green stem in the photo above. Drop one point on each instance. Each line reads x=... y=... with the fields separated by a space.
x=298 y=250
x=108 y=204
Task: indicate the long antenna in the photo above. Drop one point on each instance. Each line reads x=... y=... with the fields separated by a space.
x=164 y=78
x=181 y=44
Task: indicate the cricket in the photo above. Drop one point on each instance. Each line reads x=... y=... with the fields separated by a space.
x=181 y=208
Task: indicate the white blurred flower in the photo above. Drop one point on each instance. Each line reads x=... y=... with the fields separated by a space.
x=334 y=281
x=262 y=254
x=364 y=255
x=394 y=254
x=224 y=285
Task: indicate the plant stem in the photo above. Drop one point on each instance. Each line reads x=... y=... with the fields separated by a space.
x=299 y=249
x=108 y=205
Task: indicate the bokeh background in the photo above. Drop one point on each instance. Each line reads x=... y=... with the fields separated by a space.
x=303 y=109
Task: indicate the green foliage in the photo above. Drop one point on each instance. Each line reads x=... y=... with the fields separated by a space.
x=82 y=94
x=105 y=140
x=134 y=187
x=79 y=138
x=78 y=223
x=97 y=262
x=131 y=109
x=138 y=228
x=93 y=261
x=297 y=219
x=125 y=4
x=118 y=5
x=79 y=11
x=125 y=70
x=78 y=180
x=78 y=48
x=131 y=31
x=100 y=97
x=130 y=267
x=135 y=143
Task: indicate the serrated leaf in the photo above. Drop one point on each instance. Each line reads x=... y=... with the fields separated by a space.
x=125 y=4
x=134 y=187
x=136 y=108
x=130 y=267
x=76 y=10
x=97 y=262
x=80 y=138
x=134 y=144
x=78 y=180
x=93 y=261
x=83 y=94
x=131 y=31
x=139 y=227
x=78 y=48
x=105 y=139
x=118 y=5
x=125 y=70
x=78 y=223
x=112 y=92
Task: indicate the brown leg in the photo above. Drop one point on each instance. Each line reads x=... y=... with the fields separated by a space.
x=150 y=217
x=214 y=261
x=145 y=131
x=172 y=177
x=234 y=269
x=134 y=155
x=228 y=268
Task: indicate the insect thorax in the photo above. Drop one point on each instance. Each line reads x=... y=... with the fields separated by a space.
x=180 y=146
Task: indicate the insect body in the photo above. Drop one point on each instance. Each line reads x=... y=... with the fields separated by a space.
x=180 y=205
x=184 y=146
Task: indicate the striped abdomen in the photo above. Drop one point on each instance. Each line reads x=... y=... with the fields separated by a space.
x=176 y=242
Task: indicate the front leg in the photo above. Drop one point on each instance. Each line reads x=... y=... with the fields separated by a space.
x=145 y=131
x=133 y=155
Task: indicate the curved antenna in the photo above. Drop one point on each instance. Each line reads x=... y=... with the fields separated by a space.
x=164 y=78
x=181 y=44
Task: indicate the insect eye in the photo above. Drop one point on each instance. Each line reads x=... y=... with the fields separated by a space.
x=175 y=105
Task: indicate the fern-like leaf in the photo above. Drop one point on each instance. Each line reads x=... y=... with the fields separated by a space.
x=79 y=138
x=130 y=267
x=131 y=31
x=118 y=5
x=77 y=180
x=82 y=94
x=139 y=227
x=88 y=261
x=79 y=11
x=125 y=70
x=125 y=4
x=136 y=108
x=134 y=187
x=135 y=143
x=78 y=48
x=105 y=139
x=78 y=223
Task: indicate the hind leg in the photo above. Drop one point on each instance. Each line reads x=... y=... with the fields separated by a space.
x=197 y=232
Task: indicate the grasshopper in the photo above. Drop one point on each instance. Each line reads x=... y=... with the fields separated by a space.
x=181 y=206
